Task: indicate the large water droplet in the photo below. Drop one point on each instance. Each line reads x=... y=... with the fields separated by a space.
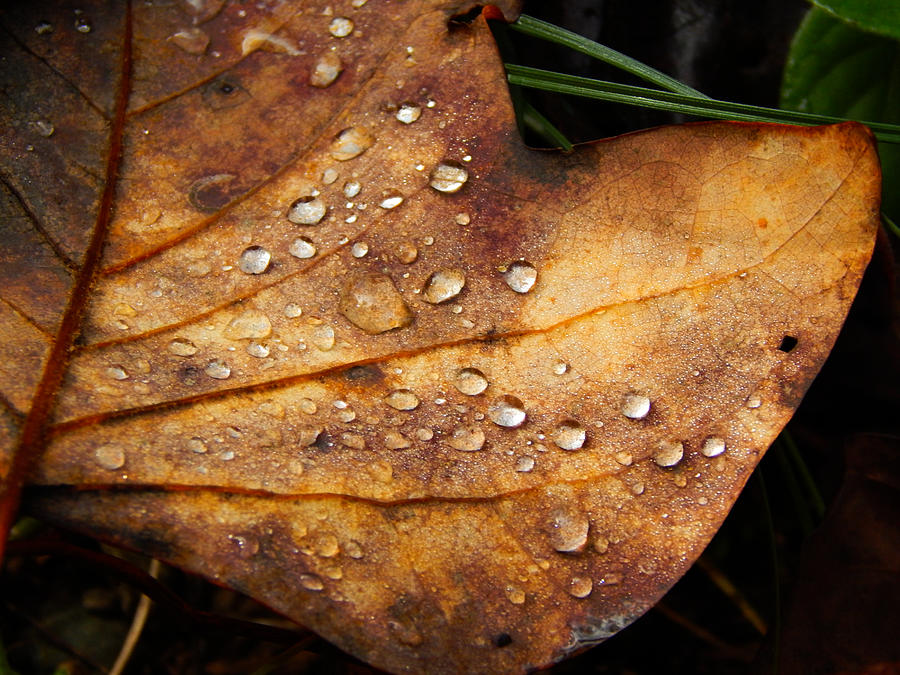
x=110 y=456
x=359 y=249
x=218 y=370
x=406 y=252
x=311 y=582
x=254 y=260
x=507 y=411
x=371 y=302
x=258 y=349
x=402 y=399
x=569 y=435
x=470 y=381
x=394 y=440
x=443 y=285
x=520 y=276
x=307 y=210
x=351 y=143
x=340 y=26
x=196 y=444
x=351 y=189
x=467 y=438
x=117 y=373
x=525 y=464
x=713 y=447
x=580 y=587
x=251 y=324
x=326 y=70
x=669 y=453
x=323 y=338
x=83 y=25
x=182 y=347
x=754 y=401
x=624 y=458
x=302 y=248
x=191 y=40
x=408 y=113
x=568 y=527
x=448 y=177
x=392 y=199
x=635 y=406
x=515 y=595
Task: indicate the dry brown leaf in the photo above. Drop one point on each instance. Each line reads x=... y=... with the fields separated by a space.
x=352 y=349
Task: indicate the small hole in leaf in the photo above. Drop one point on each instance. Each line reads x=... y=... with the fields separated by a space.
x=463 y=20
x=503 y=640
x=788 y=342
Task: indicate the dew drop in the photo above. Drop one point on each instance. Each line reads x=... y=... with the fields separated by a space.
x=467 y=438
x=402 y=399
x=392 y=200
x=624 y=458
x=303 y=248
x=371 y=302
x=117 y=373
x=218 y=370
x=258 y=349
x=248 y=546
x=515 y=595
x=637 y=488
x=307 y=435
x=443 y=285
x=198 y=268
x=669 y=453
x=448 y=177
x=569 y=435
x=470 y=381
x=355 y=441
x=329 y=176
x=601 y=544
x=560 y=368
x=351 y=143
x=326 y=70
x=351 y=189
x=323 y=338
x=340 y=26
x=191 y=40
x=196 y=444
x=568 y=529
x=580 y=587
x=354 y=550
x=424 y=434
x=408 y=113
x=292 y=310
x=520 y=276
x=713 y=447
x=254 y=260
x=463 y=219
x=311 y=582
x=507 y=411
x=43 y=28
x=251 y=324
x=359 y=249
x=754 y=401
x=635 y=406
x=346 y=415
x=83 y=25
x=525 y=464
x=45 y=128
x=182 y=347
x=406 y=252
x=307 y=210
x=110 y=456
x=394 y=440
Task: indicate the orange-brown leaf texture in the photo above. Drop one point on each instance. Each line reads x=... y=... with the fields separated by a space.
x=286 y=302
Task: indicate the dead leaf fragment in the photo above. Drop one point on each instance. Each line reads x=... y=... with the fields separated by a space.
x=487 y=408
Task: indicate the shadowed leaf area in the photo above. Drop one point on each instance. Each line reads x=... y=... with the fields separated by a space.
x=287 y=303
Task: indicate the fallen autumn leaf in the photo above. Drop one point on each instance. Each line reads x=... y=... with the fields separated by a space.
x=300 y=312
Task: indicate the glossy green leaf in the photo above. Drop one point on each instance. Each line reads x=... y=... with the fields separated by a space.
x=876 y=16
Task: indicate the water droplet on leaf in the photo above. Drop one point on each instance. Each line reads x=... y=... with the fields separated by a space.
x=218 y=370
x=669 y=453
x=254 y=260
x=569 y=435
x=713 y=447
x=340 y=26
x=306 y=210
x=196 y=444
x=408 y=113
x=323 y=338
x=406 y=252
x=402 y=399
x=507 y=411
x=311 y=582
x=580 y=587
x=303 y=248
x=520 y=276
x=359 y=249
x=110 y=456
x=467 y=438
x=326 y=70
x=443 y=285
x=371 y=302
x=470 y=381
x=251 y=324
x=635 y=406
x=351 y=143
x=448 y=177
x=568 y=527
x=182 y=347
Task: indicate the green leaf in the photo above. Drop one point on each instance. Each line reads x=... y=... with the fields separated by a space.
x=876 y=16
x=834 y=69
